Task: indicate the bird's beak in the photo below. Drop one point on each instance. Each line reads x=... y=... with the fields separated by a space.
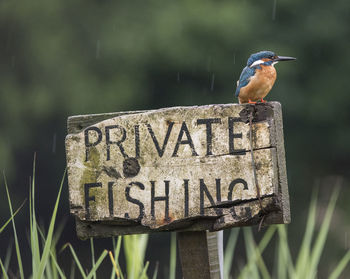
x=283 y=58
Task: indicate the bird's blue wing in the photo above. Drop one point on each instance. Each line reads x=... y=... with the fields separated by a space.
x=244 y=78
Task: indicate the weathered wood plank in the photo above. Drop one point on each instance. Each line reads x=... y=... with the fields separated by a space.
x=184 y=168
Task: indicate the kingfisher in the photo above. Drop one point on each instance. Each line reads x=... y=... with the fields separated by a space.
x=258 y=77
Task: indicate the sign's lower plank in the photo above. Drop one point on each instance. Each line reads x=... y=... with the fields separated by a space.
x=245 y=214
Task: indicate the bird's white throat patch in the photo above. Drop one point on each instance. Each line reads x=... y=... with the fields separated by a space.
x=258 y=62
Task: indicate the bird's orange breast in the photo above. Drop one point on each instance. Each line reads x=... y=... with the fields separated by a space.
x=259 y=85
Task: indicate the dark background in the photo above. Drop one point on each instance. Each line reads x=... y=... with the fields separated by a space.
x=61 y=58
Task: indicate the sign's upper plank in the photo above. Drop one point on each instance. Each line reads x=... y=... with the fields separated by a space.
x=177 y=168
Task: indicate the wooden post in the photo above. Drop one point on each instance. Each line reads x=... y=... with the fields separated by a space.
x=199 y=254
x=194 y=254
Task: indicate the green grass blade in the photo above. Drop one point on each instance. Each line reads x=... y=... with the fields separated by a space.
x=92 y=254
x=76 y=259
x=120 y=271
x=97 y=265
x=47 y=247
x=117 y=249
x=144 y=271
x=301 y=266
x=18 y=252
x=115 y=270
x=128 y=248
x=341 y=266
x=34 y=238
x=117 y=252
x=48 y=272
x=229 y=251
x=53 y=256
x=3 y=269
x=35 y=247
x=285 y=263
x=262 y=267
x=277 y=261
x=253 y=254
x=155 y=273
x=143 y=245
x=14 y=214
x=119 y=245
x=172 y=264
x=322 y=236
x=59 y=270
x=252 y=270
x=134 y=250
x=8 y=257
x=260 y=249
x=72 y=270
x=116 y=256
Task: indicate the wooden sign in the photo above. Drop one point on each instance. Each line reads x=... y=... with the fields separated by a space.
x=181 y=168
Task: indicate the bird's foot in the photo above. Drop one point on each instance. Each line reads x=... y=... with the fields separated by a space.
x=262 y=100
x=251 y=102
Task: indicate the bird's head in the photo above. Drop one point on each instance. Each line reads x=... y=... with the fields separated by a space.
x=267 y=58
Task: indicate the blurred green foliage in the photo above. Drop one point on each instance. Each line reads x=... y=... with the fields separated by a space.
x=61 y=58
